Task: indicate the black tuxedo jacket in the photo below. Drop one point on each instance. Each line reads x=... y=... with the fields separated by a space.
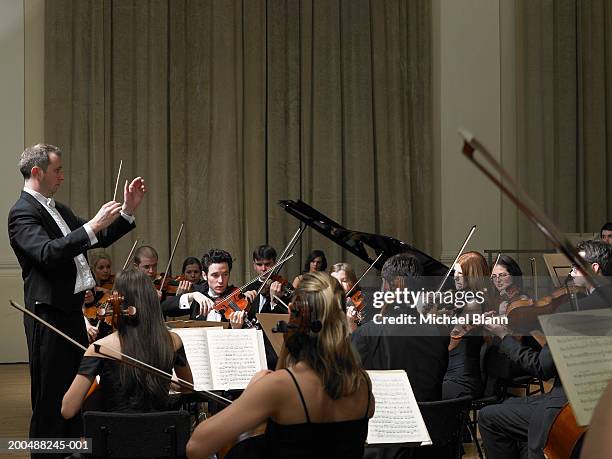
x=47 y=256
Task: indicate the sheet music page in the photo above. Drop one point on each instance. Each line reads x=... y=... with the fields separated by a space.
x=397 y=418
x=581 y=346
x=235 y=357
x=196 y=349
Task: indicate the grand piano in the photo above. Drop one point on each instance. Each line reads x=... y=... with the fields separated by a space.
x=366 y=246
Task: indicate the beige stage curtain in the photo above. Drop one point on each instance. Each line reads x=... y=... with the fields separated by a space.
x=226 y=107
x=564 y=116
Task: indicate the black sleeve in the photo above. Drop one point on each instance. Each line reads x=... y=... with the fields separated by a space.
x=28 y=234
x=91 y=366
x=180 y=358
x=537 y=363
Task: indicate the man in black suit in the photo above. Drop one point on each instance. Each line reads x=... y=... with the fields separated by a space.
x=418 y=348
x=50 y=243
x=519 y=426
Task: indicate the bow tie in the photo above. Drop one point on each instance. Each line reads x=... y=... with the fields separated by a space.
x=51 y=202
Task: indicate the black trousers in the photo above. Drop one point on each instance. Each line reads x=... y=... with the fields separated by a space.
x=54 y=362
x=504 y=428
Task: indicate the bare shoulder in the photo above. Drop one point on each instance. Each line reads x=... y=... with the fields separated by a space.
x=177 y=342
x=111 y=341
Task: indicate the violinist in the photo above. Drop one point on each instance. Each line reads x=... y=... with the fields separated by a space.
x=523 y=423
x=146 y=260
x=463 y=376
x=200 y=303
x=315 y=261
x=507 y=278
x=192 y=271
x=264 y=257
x=344 y=273
x=143 y=336
x=605 y=233
x=101 y=269
x=318 y=404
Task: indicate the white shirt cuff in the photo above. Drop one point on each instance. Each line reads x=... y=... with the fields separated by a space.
x=130 y=218
x=92 y=236
x=184 y=301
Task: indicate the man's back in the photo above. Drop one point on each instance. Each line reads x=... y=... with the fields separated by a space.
x=420 y=349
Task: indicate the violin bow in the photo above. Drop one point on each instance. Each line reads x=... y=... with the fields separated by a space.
x=178 y=237
x=348 y=294
x=452 y=266
x=288 y=248
x=117 y=181
x=126 y=359
x=255 y=279
x=534 y=274
x=526 y=205
x=129 y=257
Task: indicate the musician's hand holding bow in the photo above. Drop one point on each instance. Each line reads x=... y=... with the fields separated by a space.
x=205 y=304
x=275 y=289
x=184 y=287
x=497 y=329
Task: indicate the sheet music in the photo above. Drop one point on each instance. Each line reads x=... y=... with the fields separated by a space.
x=235 y=356
x=196 y=350
x=397 y=418
x=581 y=346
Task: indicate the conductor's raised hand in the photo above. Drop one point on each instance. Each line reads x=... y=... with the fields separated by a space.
x=107 y=214
x=133 y=195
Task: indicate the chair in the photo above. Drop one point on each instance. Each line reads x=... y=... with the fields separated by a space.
x=445 y=421
x=137 y=435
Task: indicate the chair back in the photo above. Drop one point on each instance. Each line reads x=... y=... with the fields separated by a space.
x=445 y=421
x=137 y=435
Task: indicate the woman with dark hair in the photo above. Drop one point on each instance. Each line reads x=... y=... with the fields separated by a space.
x=319 y=401
x=315 y=261
x=507 y=278
x=143 y=336
x=192 y=270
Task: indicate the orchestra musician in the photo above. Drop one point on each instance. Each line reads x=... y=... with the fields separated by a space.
x=463 y=375
x=383 y=346
x=605 y=233
x=101 y=269
x=264 y=257
x=192 y=272
x=344 y=273
x=507 y=278
x=315 y=261
x=50 y=242
x=200 y=302
x=318 y=403
x=143 y=336
x=521 y=424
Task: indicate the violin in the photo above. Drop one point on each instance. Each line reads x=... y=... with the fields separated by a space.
x=171 y=284
x=523 y=314
x=358 y=300
x=107 y=284
x=233 y=302
x=287 y=288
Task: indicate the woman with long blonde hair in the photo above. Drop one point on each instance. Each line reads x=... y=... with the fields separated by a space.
x=319 y=401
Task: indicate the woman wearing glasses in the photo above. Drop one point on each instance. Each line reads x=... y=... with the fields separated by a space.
x=507 y=278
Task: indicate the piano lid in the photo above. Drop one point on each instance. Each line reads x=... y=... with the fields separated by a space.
x=357 y=242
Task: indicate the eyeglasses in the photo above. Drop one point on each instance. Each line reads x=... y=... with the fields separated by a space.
x=500 y=276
